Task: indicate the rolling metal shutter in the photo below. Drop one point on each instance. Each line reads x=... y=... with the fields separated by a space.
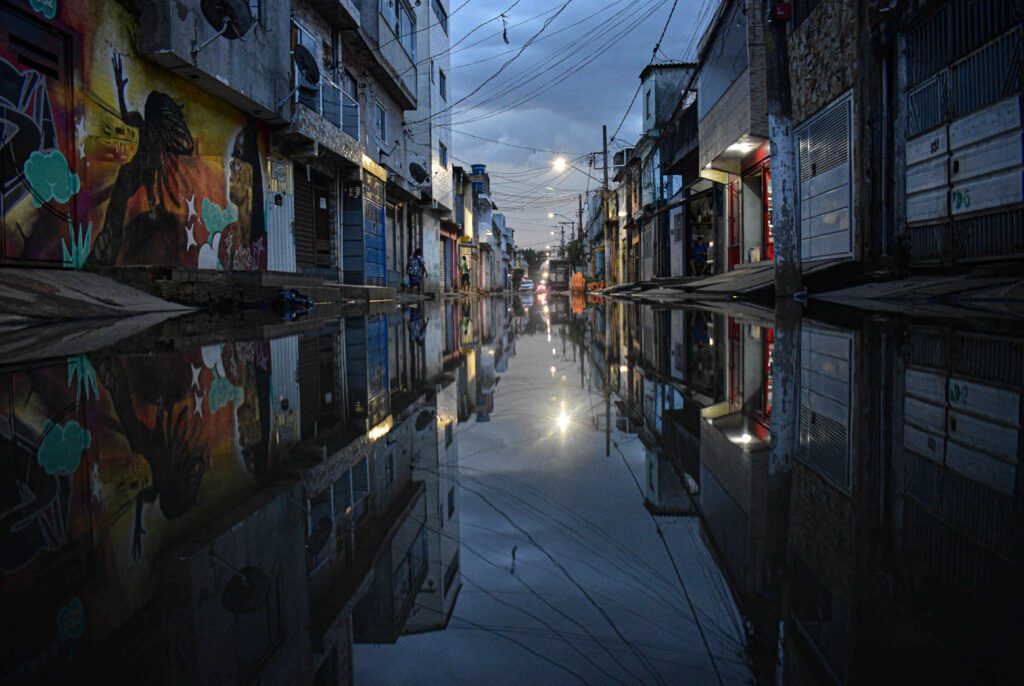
x=305 y=236
x=826 y=195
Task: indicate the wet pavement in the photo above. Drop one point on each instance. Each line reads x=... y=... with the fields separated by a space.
x=521 y=490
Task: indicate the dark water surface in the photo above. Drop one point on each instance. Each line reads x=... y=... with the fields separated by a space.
x=520 y=490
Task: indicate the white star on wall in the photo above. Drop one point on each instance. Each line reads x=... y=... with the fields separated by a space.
x=192 y=206
x=195 y=375
x=190 y=234
x=199 y=405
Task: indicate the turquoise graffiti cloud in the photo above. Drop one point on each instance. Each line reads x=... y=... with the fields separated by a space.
x=222 y=392
x=47 y=8
x=50 y=177
x=217 y=218
x=62 y=447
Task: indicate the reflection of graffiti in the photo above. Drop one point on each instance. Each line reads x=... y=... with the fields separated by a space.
x=48 y=8
x=71 y=620
x=164 y=136
x=26 y=118
x=61 y=448
x=177 y=459
x=35 y=507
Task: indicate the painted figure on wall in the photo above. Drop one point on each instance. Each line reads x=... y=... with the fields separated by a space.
x=107 y=160
x=164 y=138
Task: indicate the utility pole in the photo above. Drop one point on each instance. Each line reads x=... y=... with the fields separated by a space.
x=604 y=211
x=785 y=218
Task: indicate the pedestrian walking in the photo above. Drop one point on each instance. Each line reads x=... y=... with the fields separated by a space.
x=465 y=273
x=417 y=271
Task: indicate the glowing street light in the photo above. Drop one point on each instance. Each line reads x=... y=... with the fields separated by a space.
x=560 y=164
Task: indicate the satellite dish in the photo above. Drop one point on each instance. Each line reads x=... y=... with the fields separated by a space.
x=309 y=70
x=419 y=174
x=231 y=18
x=246 y=591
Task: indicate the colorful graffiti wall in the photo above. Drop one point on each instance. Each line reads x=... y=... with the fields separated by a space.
x=108 y=460
x=109 y=160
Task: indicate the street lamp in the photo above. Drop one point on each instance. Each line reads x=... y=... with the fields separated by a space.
x=560 y=164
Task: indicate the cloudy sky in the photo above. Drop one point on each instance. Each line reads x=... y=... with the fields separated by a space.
x=580 y=71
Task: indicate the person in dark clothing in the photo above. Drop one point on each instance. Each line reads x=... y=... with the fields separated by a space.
x=699 y=257
x=417 y=271
x=465 y=273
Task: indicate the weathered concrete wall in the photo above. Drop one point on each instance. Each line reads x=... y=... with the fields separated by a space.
x=822 y=57
x=257 y=69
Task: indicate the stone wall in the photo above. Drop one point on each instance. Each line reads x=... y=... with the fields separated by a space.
x=822 y=54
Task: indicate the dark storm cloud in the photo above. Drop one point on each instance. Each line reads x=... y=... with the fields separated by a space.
x=567 y=117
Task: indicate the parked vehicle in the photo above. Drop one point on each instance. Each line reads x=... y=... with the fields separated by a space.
x=526 y=285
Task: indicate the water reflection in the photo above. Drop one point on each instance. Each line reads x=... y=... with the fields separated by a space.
x=552 y=489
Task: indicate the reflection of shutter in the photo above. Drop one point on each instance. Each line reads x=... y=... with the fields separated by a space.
x=309 y=384
x=825 y=397
x=305 y=244
x=825 y=189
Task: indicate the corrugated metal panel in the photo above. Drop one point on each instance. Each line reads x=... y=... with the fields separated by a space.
x=280 y=218
x=927 y=243
x=988 y=75
x=928 y=47
x=309 y=384
x=989 y=358
x=928 y=104
x=825 y=139
x=994 y=235
x=978 y=21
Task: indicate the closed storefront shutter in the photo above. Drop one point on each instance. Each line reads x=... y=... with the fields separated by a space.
x=305 y=236
x=964 y=146
x=825 y=190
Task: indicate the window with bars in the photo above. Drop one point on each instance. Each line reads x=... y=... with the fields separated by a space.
x=443 y=154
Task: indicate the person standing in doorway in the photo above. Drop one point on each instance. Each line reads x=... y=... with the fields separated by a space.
x=465 y=273
x=417 y=271
x=699 y=258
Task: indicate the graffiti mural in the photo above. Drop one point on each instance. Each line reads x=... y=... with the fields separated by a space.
x=136 y=166
x=109 y=459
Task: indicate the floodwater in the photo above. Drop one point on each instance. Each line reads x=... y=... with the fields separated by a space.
x=519 y=490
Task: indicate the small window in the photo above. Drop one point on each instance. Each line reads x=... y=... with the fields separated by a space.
x=451 y=502
x=443 y=84
x=443 y=154
x=381 y=125
x=432 y=71
x=442 y=16
x=406 y=29
x=256 y=7
x=647 y=105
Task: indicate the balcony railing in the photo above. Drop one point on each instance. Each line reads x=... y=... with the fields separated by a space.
x=331 y=101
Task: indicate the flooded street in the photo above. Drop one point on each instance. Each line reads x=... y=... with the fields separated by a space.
x=520 y=490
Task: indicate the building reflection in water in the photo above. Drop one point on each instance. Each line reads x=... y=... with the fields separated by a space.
x=245 y=510
x=240 y=511
x=886 y=547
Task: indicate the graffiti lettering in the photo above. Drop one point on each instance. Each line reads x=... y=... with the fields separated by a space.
x=962 y=199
